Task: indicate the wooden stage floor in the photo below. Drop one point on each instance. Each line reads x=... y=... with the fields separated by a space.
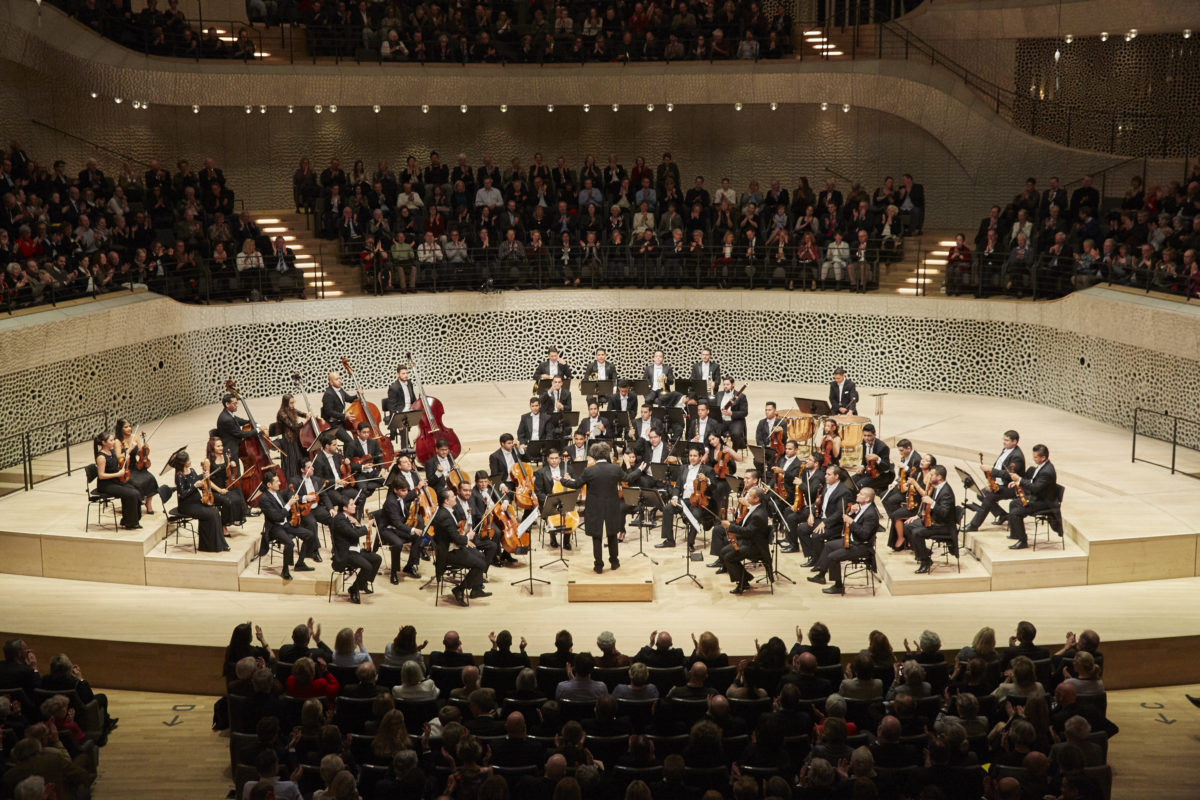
x=1128 y=566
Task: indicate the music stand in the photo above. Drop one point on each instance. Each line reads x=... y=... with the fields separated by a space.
x=536 y=449
x=621 y=422
x=401 y=422
x=640 y=387
x=569 y=419
x=598 y=389
x=759 y=454
x=558 y=504
x=644 y=500
x=543 y=384
x=816 y=407
x=675 y=417
x=968 y=484
x=661 y=472
x=687 y=559
x=700 y=388
x=774 y=499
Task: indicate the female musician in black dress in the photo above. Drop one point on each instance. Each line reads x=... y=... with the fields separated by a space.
x=188 y=489
x=223 y=473
x=129 y=444
x=290 y=422
x=716 y=448
x=109 y=470
x=830 y=447
x=903 y=512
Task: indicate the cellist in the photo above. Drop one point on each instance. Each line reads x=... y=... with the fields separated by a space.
x=395 y=531
x=481 y=503
x=333 y=407
x=229 y=426
x=543 y=486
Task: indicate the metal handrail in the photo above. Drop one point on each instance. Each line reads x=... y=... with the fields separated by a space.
x=27 y=448
x=1175 y=419
x=97 y=145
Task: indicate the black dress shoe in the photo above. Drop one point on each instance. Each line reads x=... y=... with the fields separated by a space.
x=457 y=594
x=972 y=528
x=1018 y=546
x=837 y=588
x=480 y=593
x=598 y=568
x=1002 y=519
x=715 y=563
x=394 y=579
x=411 y=572
x=614 y=565
x=553 y=543
x=812 y=562
x=662 y=544
x=287 y=576
x=368 y=590
x=721 y=570
x=303 y=568
x=566 y=544
x=316 y=557
x=818 y=578
x=354 y=598
x=739 y=589
x=924 y=569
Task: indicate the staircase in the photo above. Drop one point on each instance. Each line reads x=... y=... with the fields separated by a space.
x=904 y=277
x=312 y=254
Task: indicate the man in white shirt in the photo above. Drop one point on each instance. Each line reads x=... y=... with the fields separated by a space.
x=681 y=499
x=489 y=196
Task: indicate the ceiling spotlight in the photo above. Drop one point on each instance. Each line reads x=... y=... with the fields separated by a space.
x=145 y=106
x=1133 y=33
x=1187 y=34
x=670 y=107
x=824 y=106
x=649 y=106
x=586 y=108
x=737 y=106
x=1068 y=38
x=332 y=109
x=424 y=109
x=136 y=104
x=463 y=108
x=95 y=95
x=550 y=107
x=375 y=108
x=318 y=109
x=846 y=108
x=774 y=106
x=196 y=109
x=1104 y=36
x=248 y=109
x=262 y=109
x=117 y=100
x=291 y=109
x=616 y=107
x=503 y=108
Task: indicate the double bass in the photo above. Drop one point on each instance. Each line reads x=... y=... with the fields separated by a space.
x=431 y=426
x=360 y=411
x=314 y=425
x=253 y=452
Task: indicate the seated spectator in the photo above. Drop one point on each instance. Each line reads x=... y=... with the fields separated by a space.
x=1088 y=641
x=745 y=685
x=310 y=679
x=819 y=638
x=304 y=635
x=569 y=744
x=983 y=647
x=563 y=652
x=452 y=654
x=660 y=652
x=501 y=654
x=608 y=720
x=860 y=682
x=267 y=766
x=404 y=648
x=1020 y=681
x=887 y=749
x=1021 y=644
x=470 y=682
x=963 y=708
x=694 y=688
x=30 y=758
x=390 y=738
x=1086 y=680
x=406 y=778
x=367 y=686
x=707 y=649
x=912 y=682
x=610 y=657
x=413 y=683
x=579 y=684
x=517 y=749
x=639 y=686
x=348 y=649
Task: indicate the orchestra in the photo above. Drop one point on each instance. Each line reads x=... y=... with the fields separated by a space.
x=817 y=478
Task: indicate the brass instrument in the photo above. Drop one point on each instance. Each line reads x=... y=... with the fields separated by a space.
x=710 y=386
x=593 y=376
x=661 y=384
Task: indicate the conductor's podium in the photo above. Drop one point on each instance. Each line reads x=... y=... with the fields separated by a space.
x=632 y=583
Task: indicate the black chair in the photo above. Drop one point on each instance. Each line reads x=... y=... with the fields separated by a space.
x=750 y=710
x=528 y=708
x=270 y=546
x=734 y=746
x=1096 y=701
x=719 y=678
x=667 y=678
x=548 y=679
x=1103 y=776
x=369 y=775
x=832 y=673
x=797 y=747
x=705 y=778
x=928 y=707
x=1101 y=740
x=665 y=745
x=760 y=774
x=946 y=546
x=353 y=713
x=766 y=678
x=241 y=745
x=938 y=676
x=514 y=774
x=1051 y=518
x=687 y=711
x=342 y=570
x=345 y=675
x=360 y=747
x=623 y=776
x=448 y=573
x=243 y=774
x=416 y=714
x=176 y=520
x=612 y=677
x=446 y=678
x=97 y=499
x=640 y=712
x=282 y=670
x=501 y=679
x=608 y=748
x=576 y=709
x=388 y=676
x=860 y=712
x=1045 y=673
x=861 y=565
x=235 y=705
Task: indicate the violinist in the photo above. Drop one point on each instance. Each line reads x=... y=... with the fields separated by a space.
x=556 y=400
x=909 y=461
x=327 y=468
x=661 y=377
x=348 y=552
x=824 y=524
x=438 y=467
x=752 y=534
x=310 y=492
x=210 y=534
x=500 y=462
x=484 y=541
x=395 y=532
x=763 y=431
x=223 y=472
x=535 y=425
x=229 y=425
x=277 y=511
x=333 y=407
x=595 y=426
x=901 y=513
x=604 y=516
x=843 y=395
x=551 y=367
x=700 y=427
x=406 y=474
x=734 y=408
x=682 y=497
x=578 y=449
x=808 y=484
x=624 y=400
x=130 y=445
x=290 y=421
x=863 y=523
x=875 y=458
x=654 y=451
x=109 y=471
x=831 y=444
x=721 y=458
x=455 y=548
x=368 y=458
x=1011 y=459
x=940 y=500
x=543 y=486
x=789 y=467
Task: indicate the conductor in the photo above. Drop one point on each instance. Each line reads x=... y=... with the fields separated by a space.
x=605 y=512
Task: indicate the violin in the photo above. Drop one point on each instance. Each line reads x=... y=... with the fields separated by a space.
x=431 y=426
x=846 y=528
x=699 y=496
x=1021 y=493
x=142 y=458
x=721 y=464
x=778 y=442
x=798 y=502
x=314 y=426
x=987 y=473
x=522 y=475
x=926 y=511
x=300 y=509
x=360 y=411
x=729 y=516
x=871 y=469
x=123 y=468
x=780 y=488
x=827 y=457
x=347 y=473
x=254 y=453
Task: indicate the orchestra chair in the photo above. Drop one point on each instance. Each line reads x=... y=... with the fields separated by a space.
x=345 y=571
x=97 y=499
x=273 y=546
x=1050 y=519
x=861 y=565
x=944 y=544
x=767 y=576
x=452 y=574
x=176 y=520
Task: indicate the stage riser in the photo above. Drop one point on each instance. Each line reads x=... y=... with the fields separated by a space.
x=1142 y=559
x=21 y=554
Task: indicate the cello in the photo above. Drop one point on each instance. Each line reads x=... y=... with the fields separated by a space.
x=314 y=425
x=360 y=410
x=431 y=426
x=253 y=452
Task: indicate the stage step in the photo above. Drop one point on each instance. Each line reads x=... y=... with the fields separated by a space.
x=898 y=571
x=178 y=564
x=1060 y=563
x=632 y=583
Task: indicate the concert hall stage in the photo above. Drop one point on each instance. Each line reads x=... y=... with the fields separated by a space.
x=1128 y=565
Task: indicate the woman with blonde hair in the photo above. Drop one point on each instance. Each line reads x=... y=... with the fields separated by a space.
x=707 y=649
x=390 y=738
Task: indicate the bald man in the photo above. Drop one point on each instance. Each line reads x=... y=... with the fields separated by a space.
x=517 y=749
x=333 y=408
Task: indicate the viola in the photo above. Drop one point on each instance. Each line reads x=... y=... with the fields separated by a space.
x=431 y=425
x=872 y=469
x=778 y=442
x=780 y=488
x=522 y=475
x=300 y=509
x=253 y=452
x=846 y=528
x=987 y=473
x=347 y=473
x=798 y=503
x=699 y=496
x=314 y=426
x=360 y=411
x=510 y=539
x=827 y=452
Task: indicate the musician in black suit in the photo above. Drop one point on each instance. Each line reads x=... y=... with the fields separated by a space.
x=333 y=407
x=790 y=465
x=707 y=370
x=500 y=462
x=624 y=399
x=824 y=522
x=556 y=400
x=862 y=521
x=595 y=425
x=661 y=378
x=652 y=450
x=643 y=424
x=602 y=371
x=941 y=521
x=327 y=467
x=770 y=422
x=604 y=516
x=229 y=426
x=753 y=534
x=483 y=539
x=309 y=488
x=535 y=425
x=699 y=428
x=277 y=513
x=543 y=486
x=368 y=473
x=405 y=473
x=733 y=408
x=439 y=466
x=552 y=366
x=681 y=498
x=875 y=453
x=910 y=461
x=578 y=449
x=395 y=532
x=1011 y=459
x=401 y=394
x=347 y=550
x=843 y=395
x=1039 y=484
x=454 y=548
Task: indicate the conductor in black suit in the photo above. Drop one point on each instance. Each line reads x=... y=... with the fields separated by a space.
x=347 y=552
x=333 y=407
x=229 y=426
x=753 y=534
x=863 y=523
x=454 y=548
x=604 y=517
x=1010 y=460
x=1039 y=484
x=843 y=395
x=942 y=521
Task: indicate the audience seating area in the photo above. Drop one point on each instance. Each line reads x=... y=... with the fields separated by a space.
x=584 y=721
x=459 y=227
